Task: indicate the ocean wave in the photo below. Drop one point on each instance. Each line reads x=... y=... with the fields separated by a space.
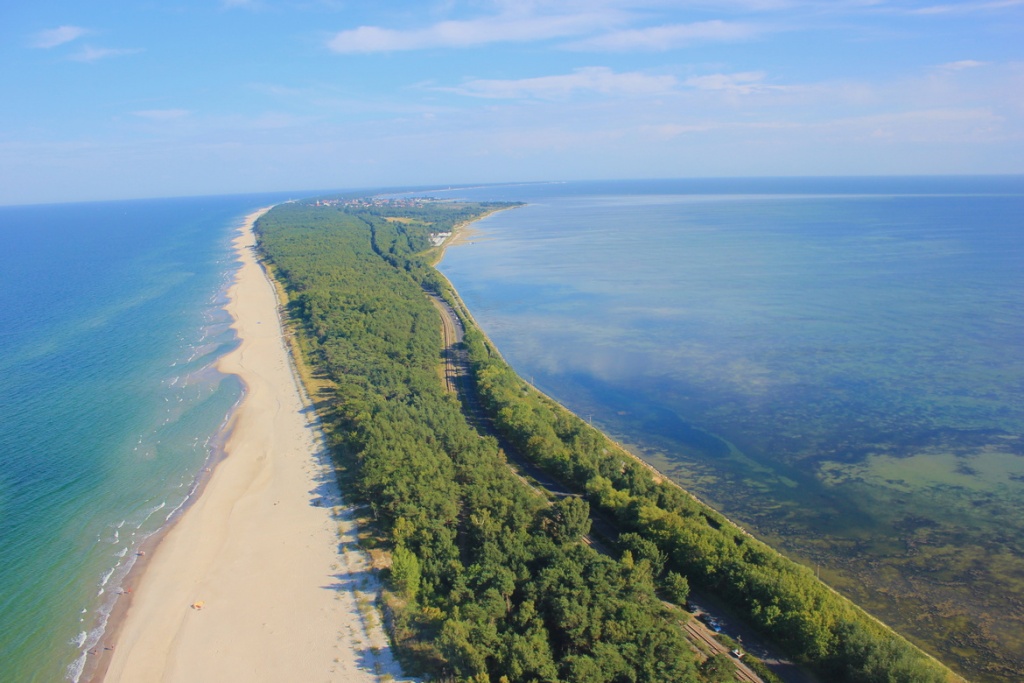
x=76 y=668
x=86 y=642
x=106 y=576
x=181 y=504
x=151 y=512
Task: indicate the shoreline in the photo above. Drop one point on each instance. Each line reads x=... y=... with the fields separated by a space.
x=95 y=668
x=462 y=233
x=266 y=549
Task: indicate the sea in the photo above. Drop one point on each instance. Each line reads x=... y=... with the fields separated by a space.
x=835 y=363
x=111 y=321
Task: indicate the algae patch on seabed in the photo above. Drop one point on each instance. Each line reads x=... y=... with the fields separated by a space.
x=932 y=542
x=988 y=470
x=956 y=536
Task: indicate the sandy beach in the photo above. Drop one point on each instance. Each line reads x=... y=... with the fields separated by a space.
x=260 y=579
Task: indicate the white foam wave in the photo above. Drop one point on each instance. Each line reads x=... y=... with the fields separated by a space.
x=150 y=513
x=86 y=642
x=178 y=506
x=76 y=668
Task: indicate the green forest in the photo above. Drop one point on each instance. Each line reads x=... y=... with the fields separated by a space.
x=489 y=579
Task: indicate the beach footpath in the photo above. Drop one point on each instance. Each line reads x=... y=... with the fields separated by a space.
x=260 y=579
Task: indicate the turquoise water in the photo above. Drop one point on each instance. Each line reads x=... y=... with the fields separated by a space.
x=836 y=363
x=110 y=321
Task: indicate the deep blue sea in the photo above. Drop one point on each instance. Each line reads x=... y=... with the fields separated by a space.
x=110 y=321
x=837 y=364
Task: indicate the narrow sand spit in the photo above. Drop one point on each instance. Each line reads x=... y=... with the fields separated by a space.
x=267 y=548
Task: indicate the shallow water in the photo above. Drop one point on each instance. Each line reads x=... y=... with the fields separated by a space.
x=110 y=321
x=837 y=364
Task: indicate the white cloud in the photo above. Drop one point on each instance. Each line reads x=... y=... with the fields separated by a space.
x=742 y=83
x=57 y=36
x=276 y=120
x=669 y=37
x=924 y=125
x=913 y=126
x=962 y=64
x=92 y=54
x=597 y=79
x=668 y=131
x=162 y=114
x=510 y=27
x=965 y=7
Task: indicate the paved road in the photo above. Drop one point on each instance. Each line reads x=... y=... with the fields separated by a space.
x=458 y=381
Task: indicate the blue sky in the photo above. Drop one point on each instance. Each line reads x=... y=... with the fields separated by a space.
x=184 y=97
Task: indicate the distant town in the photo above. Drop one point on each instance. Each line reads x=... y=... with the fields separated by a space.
x=363 y=202
x=436 y=238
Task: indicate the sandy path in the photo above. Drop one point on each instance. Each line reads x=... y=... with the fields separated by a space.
x=267 y=546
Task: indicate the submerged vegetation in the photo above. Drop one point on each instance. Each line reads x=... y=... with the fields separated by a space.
x=490 y=580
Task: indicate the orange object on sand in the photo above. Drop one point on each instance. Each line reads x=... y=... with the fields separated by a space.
x=198 y=604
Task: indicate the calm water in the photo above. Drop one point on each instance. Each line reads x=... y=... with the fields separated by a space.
x=110 y=320
x=838 y=364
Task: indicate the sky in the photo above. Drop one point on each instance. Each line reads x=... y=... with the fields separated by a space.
x=155 y=98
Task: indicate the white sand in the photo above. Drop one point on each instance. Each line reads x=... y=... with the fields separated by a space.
x=287 y=596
